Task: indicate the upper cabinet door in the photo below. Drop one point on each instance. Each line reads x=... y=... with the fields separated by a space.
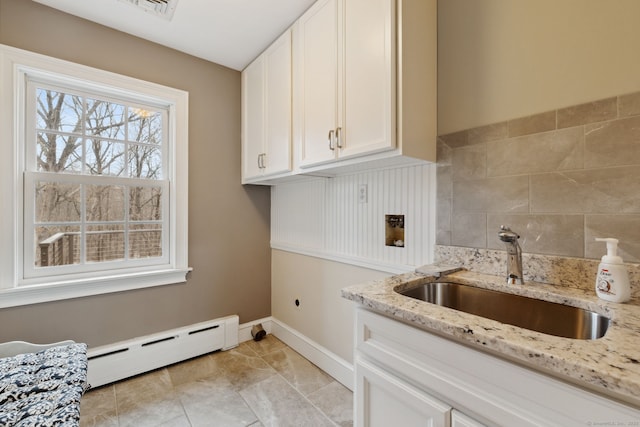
x=316 y=82
x=252 y=119
x=278 y=106
x=266 y=113
x=369 y=40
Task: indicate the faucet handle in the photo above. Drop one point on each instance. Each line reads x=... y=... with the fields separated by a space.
x=506 y=235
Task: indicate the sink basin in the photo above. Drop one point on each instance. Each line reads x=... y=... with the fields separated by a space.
x=529 y=313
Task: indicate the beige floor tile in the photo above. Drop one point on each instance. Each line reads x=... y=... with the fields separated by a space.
x=98 y=408
x=149 y=386
x=266 y=345
x=151 y=412
x=298 y=371
x=147 y=400
x=276 y=403
x=243 y=367
x=336 y=401
x=214 y=401
x=257 y=384
x=181 y=421
x=193 y=370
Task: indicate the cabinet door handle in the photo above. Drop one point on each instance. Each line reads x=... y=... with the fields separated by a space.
x=261 y=161
x=331 y=140
x=338 y=137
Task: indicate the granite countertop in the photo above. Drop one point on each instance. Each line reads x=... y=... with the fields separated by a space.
x=609 y=365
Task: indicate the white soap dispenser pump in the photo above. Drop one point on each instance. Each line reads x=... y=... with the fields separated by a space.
x=612 y=282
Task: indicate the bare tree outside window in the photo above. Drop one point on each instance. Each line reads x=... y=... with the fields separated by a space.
x=114 y=214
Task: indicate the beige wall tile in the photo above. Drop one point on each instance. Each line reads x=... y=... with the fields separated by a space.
x=613 y=143
x=591 y=112
x=610 y=190
x=542 y=234
x=537 y=123
x=443 y=182
x=488 y=133
x=456 y=139
x=559 y=188
x=540 y=152
x=469 y=230
x=629 y=105
x=443 y=222
x=443 y=153
x=504 y=194
x=469 y=162
x=625 y=228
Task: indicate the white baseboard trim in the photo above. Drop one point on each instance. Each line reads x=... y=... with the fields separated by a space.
x=326 y=360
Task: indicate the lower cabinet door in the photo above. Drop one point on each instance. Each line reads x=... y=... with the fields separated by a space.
x=383 y=400
x=458 y=419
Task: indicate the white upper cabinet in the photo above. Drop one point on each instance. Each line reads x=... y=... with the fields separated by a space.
x=353 y=85
x=316 y=82
x=359 y=67
x=266 y=113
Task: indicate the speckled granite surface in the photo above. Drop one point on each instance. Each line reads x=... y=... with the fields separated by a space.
x=609 y=365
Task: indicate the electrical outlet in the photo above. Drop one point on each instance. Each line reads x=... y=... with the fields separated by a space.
x=362 y=193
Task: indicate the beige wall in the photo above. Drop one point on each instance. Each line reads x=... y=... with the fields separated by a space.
x=503 y=59
x=228 y=223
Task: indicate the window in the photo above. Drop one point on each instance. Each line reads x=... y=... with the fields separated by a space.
x=99 y=187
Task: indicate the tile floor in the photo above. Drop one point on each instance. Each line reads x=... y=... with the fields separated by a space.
x=262 y=383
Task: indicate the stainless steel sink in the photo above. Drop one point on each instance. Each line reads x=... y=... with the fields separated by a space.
x=529 y=313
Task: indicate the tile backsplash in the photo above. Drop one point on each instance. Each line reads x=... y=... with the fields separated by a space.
x=559 y=179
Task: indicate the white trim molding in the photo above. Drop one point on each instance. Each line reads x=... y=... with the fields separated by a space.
x=15 y=287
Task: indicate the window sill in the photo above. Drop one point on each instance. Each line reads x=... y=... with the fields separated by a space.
x=33 y=294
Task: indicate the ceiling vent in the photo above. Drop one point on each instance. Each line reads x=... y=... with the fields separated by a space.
x=162 y=8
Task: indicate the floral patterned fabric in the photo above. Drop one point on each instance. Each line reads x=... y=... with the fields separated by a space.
x=44 y=388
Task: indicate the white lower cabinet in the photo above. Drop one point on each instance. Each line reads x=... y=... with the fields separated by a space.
x=458 y=419
x=407 y=376
x=386 y=400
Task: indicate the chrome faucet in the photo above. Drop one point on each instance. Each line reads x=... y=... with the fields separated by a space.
x=514 y=255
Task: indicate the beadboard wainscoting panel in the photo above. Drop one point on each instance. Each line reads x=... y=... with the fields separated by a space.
x=298 y=213
x=331 y=218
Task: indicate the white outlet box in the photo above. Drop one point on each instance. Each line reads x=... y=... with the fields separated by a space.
x=362 y=193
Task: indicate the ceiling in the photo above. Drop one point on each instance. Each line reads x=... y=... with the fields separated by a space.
x=228 y=32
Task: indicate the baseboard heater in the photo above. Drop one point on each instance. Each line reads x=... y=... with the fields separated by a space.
x=125 y=359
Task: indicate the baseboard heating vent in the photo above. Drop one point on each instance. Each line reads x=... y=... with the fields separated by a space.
x=121 y=360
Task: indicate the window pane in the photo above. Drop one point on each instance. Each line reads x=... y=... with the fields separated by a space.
x=145 y=241
x=105 y=119
x=57 y=246
x=104 y=157
x=58 y=153
x=105 y=203
x=145 y=203
x=105 y=243
x=145 y=126
x=57 y=202
x=145 y=161
x=58 y=111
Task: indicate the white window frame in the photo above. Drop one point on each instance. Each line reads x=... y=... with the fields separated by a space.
x=16 y=66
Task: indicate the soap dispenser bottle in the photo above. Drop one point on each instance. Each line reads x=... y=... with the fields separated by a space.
x=612 y=282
